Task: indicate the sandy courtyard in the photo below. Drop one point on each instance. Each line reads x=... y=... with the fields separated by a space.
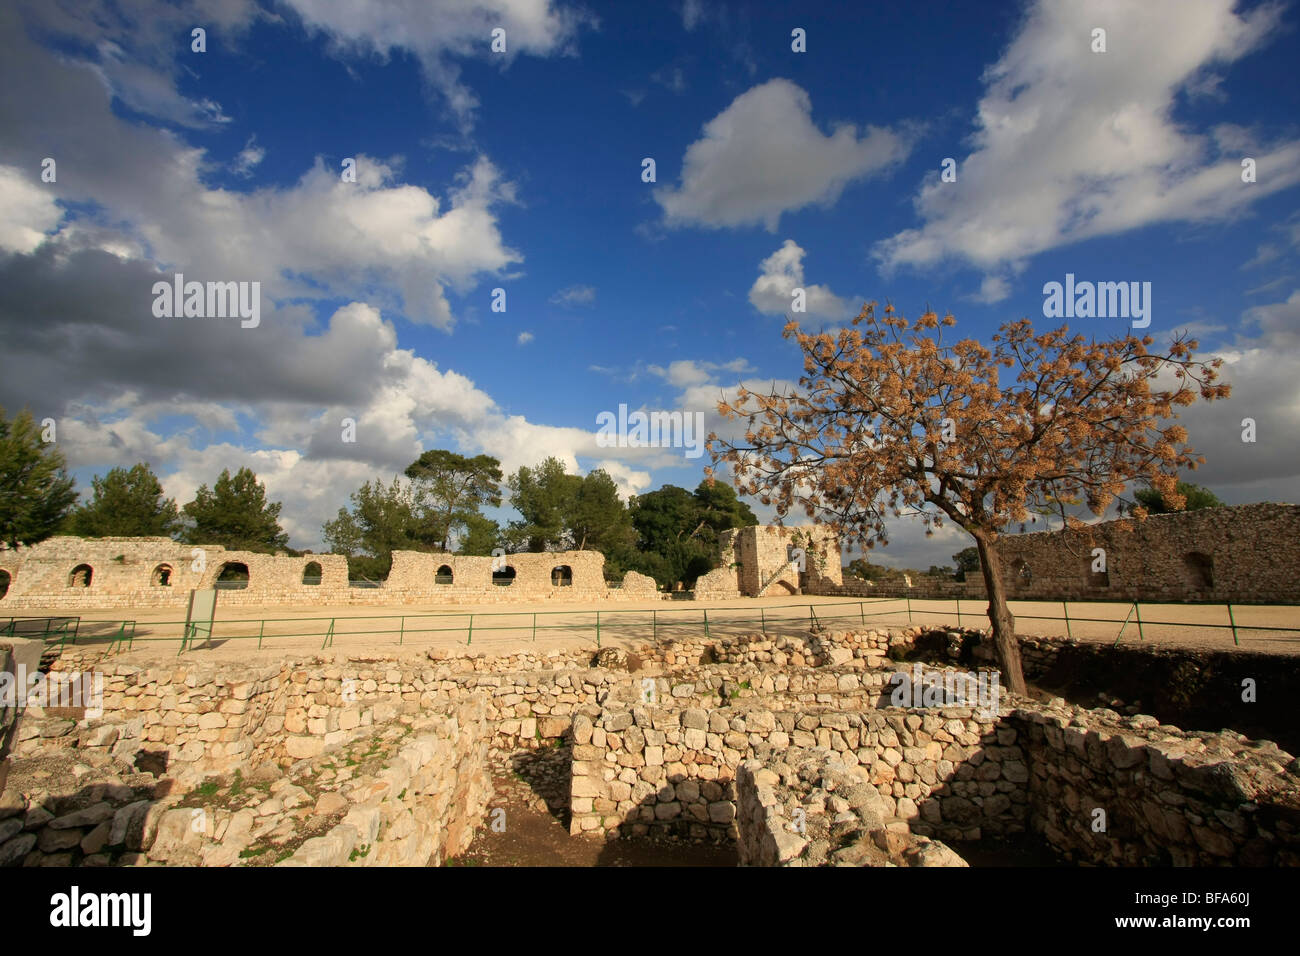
x=248 y=633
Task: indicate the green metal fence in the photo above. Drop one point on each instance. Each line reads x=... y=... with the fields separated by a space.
x=672 y=620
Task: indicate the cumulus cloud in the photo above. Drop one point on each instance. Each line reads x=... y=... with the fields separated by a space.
x=780 y=274
x=27 y=210
x=378 y=238
x=524 y=338
x=1073 y=144
x=763 y=156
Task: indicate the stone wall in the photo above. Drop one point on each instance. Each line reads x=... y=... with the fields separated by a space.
x=1167 y=797
x=760 y=559
x=658 y=737
x=1237 y=554
x=820 y=811
x=407 y=794
x=638 y=768
x=127 y=573
x=1245 y=553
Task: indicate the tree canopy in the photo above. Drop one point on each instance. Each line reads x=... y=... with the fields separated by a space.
x=1185 y=497
x=887 y=419
x=381 y=520
x=678 y=531
x=126 y=502
x=451 y=489
x=236 y=514
x=36 y=492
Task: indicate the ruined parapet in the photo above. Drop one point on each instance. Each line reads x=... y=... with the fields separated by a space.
x=1242 y=553
x=73 y=573
x=770 y=559
x=70 y=573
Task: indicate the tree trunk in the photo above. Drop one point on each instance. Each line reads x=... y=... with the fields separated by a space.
x=1000 y=616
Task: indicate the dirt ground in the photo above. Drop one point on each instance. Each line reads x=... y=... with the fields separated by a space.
x=251 y=633
x=534 y=828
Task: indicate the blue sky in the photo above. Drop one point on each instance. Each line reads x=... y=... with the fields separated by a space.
x=523 y=171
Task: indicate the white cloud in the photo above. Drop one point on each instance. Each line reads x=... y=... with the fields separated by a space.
x=379 y=239
x=685 y=373
x=780 y=274
x=524 y=338
x=575 y=295
x=630 y=481
x=671 y=78
x=1074 y=144
x=249 y=157
x=28 y=211
x=439 y=32
x=693 y=13
x=763 y=156
x=993 y=290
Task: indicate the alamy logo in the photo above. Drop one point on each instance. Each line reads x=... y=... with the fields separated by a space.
x=946 y=688
x=652 y=430
x=74 y=909
x=215 y=300
x=57 y=689
x=1099 y=300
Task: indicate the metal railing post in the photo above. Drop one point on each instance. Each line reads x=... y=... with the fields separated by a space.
x=401 y=634
x=260 y=631
x=862 y=614
x=1234 y=626
x=1124 y=625
x=1137 y=613
x=1065 y=609
x=909 y=608
x=469 y=640
x=762 y=617
x=654 y=624
x=706 y=622
x=598 y=629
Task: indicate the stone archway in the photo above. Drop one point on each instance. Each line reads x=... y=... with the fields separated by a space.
x=233 y=576
x=80 y=576
x=562 y=576
x=162 y=576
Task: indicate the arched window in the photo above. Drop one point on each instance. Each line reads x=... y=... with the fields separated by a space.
x=1199 y=569
x=444 y=575
x=4 y=582
x=311 y=574
x=233 y=576
x=162 y=576
x=562 y=576
x=80 y=576
x=505 y=577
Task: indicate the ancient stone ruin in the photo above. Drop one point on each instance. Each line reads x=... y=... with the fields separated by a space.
x=795 y=750
x=1242 y=554
x=69 y=573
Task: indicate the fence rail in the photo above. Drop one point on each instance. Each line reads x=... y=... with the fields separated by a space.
x=709 y=620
